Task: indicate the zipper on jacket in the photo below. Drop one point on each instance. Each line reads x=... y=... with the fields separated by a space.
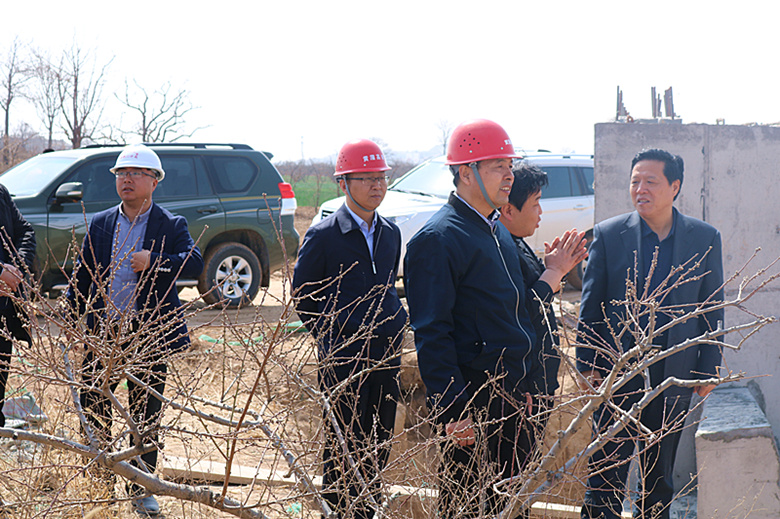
x=377 y=235
x=517 y=300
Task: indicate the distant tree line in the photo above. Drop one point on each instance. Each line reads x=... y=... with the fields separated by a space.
x=68 y=93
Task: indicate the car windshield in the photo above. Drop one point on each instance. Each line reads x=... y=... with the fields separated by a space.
x=429 y=178
x=31 y=176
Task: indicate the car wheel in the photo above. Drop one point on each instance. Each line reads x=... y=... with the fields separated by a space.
x=575 y=276
x=231 y=275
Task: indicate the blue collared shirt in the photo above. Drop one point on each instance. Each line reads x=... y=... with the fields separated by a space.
x=128 y=238
x=368 y=232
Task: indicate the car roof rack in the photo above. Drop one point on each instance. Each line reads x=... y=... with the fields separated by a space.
x=200 y=145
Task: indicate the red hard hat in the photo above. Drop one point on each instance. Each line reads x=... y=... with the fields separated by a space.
x=362 y=156
x=477 y=140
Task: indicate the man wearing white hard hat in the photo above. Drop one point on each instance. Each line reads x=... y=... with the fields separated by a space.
x=134 y=306
x=344 y=284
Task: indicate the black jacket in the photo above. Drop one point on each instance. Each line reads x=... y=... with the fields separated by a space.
x=539 y=299
x=17 y=238
x=340 y=292
x=466 y=299
x=616 y=244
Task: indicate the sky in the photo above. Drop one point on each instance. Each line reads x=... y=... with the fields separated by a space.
x=301 y=78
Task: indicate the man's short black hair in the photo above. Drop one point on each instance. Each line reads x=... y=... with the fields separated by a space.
x=529 y=180
x=673 y=164
x=454 y=169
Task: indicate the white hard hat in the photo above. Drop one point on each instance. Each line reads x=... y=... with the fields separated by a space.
x=139 y=156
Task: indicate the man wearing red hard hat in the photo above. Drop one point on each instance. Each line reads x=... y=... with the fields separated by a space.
x=344 y=289
x=474 y=338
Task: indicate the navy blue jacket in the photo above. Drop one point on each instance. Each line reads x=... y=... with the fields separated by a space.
x=173 y=255
x=340 y=292
x=539 y=299
x=17 y=238
x=616 y=244
x=466 y=299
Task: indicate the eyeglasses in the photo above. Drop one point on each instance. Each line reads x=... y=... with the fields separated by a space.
x=132 y=174
x=371 y=181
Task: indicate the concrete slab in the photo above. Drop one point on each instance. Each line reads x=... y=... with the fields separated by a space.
x=737 y=459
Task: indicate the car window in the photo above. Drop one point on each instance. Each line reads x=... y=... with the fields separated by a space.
x=98 y=182
x=231 y=175
x=184 y=177
x=559 y=178
x=33 y=175
x=587 y=175
x=431 y=178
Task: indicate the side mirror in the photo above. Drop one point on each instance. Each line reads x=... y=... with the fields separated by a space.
x=69 y=192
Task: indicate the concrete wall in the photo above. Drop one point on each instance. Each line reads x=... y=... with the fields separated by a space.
x=732 y=181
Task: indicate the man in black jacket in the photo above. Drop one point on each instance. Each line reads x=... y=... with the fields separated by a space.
x=344 y=284
x=647 y=245
x=474 y=338
x=17 y=253
x=521 y=216
x=17 y=250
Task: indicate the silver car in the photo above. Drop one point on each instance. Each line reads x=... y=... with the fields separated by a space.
x=566 y=202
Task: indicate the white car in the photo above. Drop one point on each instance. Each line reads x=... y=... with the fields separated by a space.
x=566 y=202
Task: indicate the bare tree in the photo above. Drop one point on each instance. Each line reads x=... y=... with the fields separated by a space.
x=398 y=166
x=160 y=113
x=298 y=172
x=12 y=82
x=246 y=397
x=445 y=128
x=80 y=84
x=292 y=171
x=44 y=93
x=19 y=146
x=323 y=176
x=640 y=322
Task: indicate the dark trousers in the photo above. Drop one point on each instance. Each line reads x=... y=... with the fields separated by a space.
x=505 y=440
x=364 y=408
x=608 y=468
x=144 y=408
x=11 y=322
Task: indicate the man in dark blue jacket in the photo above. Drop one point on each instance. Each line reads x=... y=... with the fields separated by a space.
x=126 y=283
x=474 y=338
x=645 y=246
x=344 y=284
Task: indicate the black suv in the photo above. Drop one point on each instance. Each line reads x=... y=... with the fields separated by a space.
x=230 y=193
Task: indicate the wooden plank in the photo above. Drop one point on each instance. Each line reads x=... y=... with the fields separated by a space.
x=177 y=468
